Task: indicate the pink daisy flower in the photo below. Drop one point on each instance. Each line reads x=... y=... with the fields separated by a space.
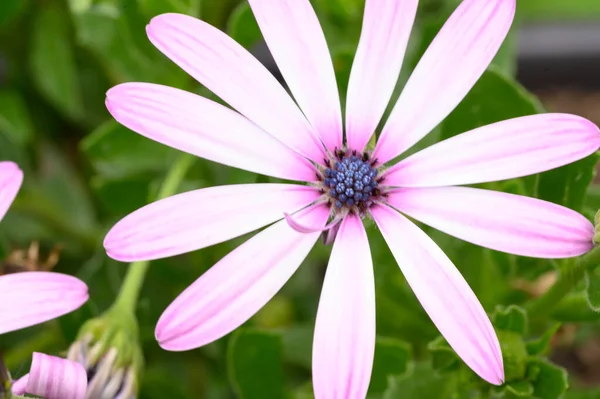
x=271 y=135
x=31 y=298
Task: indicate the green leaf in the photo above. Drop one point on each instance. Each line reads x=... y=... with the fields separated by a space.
x=242 y=26
x=421 y=382
x=520 y=388
x=514 y=354
x=115 y=151
x=15 y=120
x=443 y=356
x=575 y=308
x=152 y=8
x=255 y=364
x=115 y=35
x=52 y=60
x=495 y=97
x=592 y=288
x=217 y=13
x=549 y=380
x=540 y=345
x=391 y=359
x=559 y=9
x=11 y=9
x=568 y=184
x=512 y=318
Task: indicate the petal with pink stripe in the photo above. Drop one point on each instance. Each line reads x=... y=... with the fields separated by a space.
x=202 y=127
x=452 y=64
x=386 y=28
x=443 y=293
x=233 y=74
x=31 y=298
x=197 y=219
x=11 y=178
x=51 y=377
x=344 y=343
x=504 y=222
x=237 y=286
x=295 y=38
x=504 y=150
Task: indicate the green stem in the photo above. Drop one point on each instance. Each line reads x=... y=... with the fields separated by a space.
x=565 y=283
x=134 y=279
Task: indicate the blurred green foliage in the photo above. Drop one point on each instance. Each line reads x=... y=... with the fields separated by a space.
x=84 y=172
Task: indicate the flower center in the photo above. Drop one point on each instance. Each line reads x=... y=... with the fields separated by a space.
x=350 y=181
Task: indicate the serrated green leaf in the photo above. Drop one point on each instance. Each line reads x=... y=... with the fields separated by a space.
x=116 y=152
x=520 y=388
x=549 y=381
x=255 y=364
x=592 y=288
x=443 y=356
x=540 y=345
x=391 y=359
x=52 y=60
x=242 y=26
x=512 y=318
x=15 y=120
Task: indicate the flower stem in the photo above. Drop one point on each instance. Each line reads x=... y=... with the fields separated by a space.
x=134 y=279
x=568 y=278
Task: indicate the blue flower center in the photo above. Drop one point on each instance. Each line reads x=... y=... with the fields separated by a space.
x=351 y=182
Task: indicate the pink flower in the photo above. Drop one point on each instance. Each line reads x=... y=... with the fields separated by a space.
x=270 y=135
x=31 y=298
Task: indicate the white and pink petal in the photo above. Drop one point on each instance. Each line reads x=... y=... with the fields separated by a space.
x=202 y=127
x=504 y=222
x=443 y=293
x=385 y=32
x=504 y=150
x=197 y=219
x=31 y=298
x=344 y=340
x=296 y=41
x=52 y=377
x=11 y=178
x=233 y=74
x=452 y=64
x=237 y=286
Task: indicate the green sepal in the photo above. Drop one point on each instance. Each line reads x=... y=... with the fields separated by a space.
x=512 y=318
